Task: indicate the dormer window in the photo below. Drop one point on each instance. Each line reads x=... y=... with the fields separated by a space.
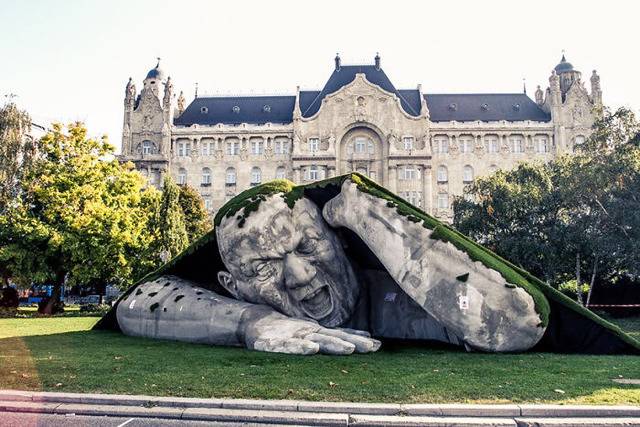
x=485 y=107
x=266 y=108
x=453 y=106
x=516 y=107
x=204 y=110
x=236 y=109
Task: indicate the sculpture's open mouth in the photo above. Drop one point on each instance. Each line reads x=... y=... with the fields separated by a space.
x=318 y=303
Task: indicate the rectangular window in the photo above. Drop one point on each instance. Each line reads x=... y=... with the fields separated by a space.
x=207 y=148
x=441 y=145
x=281 y=147
x=443 y=201
x=313 y=173
x=409 y=173
x=233 y=148
x=465 y=145
x=184 y=149
x=257 y=147
x=314 y=144
x=360 y=144
x=407 y=141
x=207 y=203
x=492 y=144
x=542 y=145
x=517 y=145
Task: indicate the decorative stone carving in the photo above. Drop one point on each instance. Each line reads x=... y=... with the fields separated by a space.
x=168 y=93
x=181 y=103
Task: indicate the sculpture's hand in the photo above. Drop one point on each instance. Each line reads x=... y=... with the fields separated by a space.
x=274 y=332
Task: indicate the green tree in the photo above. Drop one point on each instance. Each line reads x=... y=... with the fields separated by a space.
x=171 y=229
x=577 y=216
x=80 y=216
x=196 y=218
x=17 y=151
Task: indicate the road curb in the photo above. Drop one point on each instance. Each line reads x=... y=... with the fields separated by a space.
x=317 y=413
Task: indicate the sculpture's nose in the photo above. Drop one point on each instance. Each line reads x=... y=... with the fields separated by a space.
x=297 y=271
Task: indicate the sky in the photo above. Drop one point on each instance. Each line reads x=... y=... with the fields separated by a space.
x=70 y=60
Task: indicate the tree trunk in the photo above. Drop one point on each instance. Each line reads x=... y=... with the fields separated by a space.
x=578 y=284
x=593 y=280
x=53 y=300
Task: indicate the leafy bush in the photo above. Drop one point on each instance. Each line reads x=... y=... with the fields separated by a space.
x=95 y=308
x=569 y=288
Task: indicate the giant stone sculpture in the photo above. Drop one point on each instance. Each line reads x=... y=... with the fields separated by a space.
x=324 y=267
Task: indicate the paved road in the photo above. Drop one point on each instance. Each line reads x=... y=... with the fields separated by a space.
x=14 y=419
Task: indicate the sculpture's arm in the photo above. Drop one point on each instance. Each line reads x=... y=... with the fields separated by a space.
x=469 y=299
x=176 y=309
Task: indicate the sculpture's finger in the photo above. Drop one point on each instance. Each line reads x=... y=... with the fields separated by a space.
x=363 y=344
x=289 y=346
x=331 y=345
x=362 y=333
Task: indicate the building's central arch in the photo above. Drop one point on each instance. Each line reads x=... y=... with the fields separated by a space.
x=362 y=150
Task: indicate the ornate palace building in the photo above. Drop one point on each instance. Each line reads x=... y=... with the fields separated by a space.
x=424 y=147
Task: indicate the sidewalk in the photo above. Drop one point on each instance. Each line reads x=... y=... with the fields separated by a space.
x=292 y=412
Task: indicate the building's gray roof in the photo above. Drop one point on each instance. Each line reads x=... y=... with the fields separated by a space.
x=345 y=75
x=251 y=109
x=484 y=107
x=279 y=109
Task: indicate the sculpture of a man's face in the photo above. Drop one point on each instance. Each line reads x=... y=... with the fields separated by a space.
x=290 y=260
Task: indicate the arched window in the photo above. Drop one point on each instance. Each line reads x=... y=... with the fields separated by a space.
x=148 y=147
x=443 y=175
x=493 y=169
x=206 y=176
x=467 y=174
x=182 y=176
x=256 y=176
x=230 y=176
x=578 y=141
x=281 y=173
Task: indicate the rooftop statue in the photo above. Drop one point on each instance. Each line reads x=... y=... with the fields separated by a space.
x=334 y=266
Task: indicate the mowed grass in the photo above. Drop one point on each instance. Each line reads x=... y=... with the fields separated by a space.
x=62 y=354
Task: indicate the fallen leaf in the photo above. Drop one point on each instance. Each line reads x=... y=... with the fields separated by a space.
x=557 y=390
x=117 y=357
x=58 y=384
x=14 y=372
x=25 y=376
x=332 y=384
x=344 y=371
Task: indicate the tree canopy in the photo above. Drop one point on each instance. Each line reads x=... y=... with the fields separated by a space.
x=577 y=214
x=80 y=215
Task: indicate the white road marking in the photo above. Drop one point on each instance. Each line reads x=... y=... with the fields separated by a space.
x=126 y=422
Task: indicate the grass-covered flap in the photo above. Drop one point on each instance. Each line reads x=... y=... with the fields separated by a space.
x=570 y=327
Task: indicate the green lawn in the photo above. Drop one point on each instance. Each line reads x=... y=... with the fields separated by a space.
x=62 y=354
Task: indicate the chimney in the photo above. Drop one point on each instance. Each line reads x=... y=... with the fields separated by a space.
x=337 y=59
x=377 y=61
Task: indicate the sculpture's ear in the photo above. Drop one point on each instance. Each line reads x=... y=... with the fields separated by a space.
x=227 y=281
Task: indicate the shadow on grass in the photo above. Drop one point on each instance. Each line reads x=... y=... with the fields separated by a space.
x=109 y=362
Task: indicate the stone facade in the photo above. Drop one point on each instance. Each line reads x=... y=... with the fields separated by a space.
x=426 y=148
